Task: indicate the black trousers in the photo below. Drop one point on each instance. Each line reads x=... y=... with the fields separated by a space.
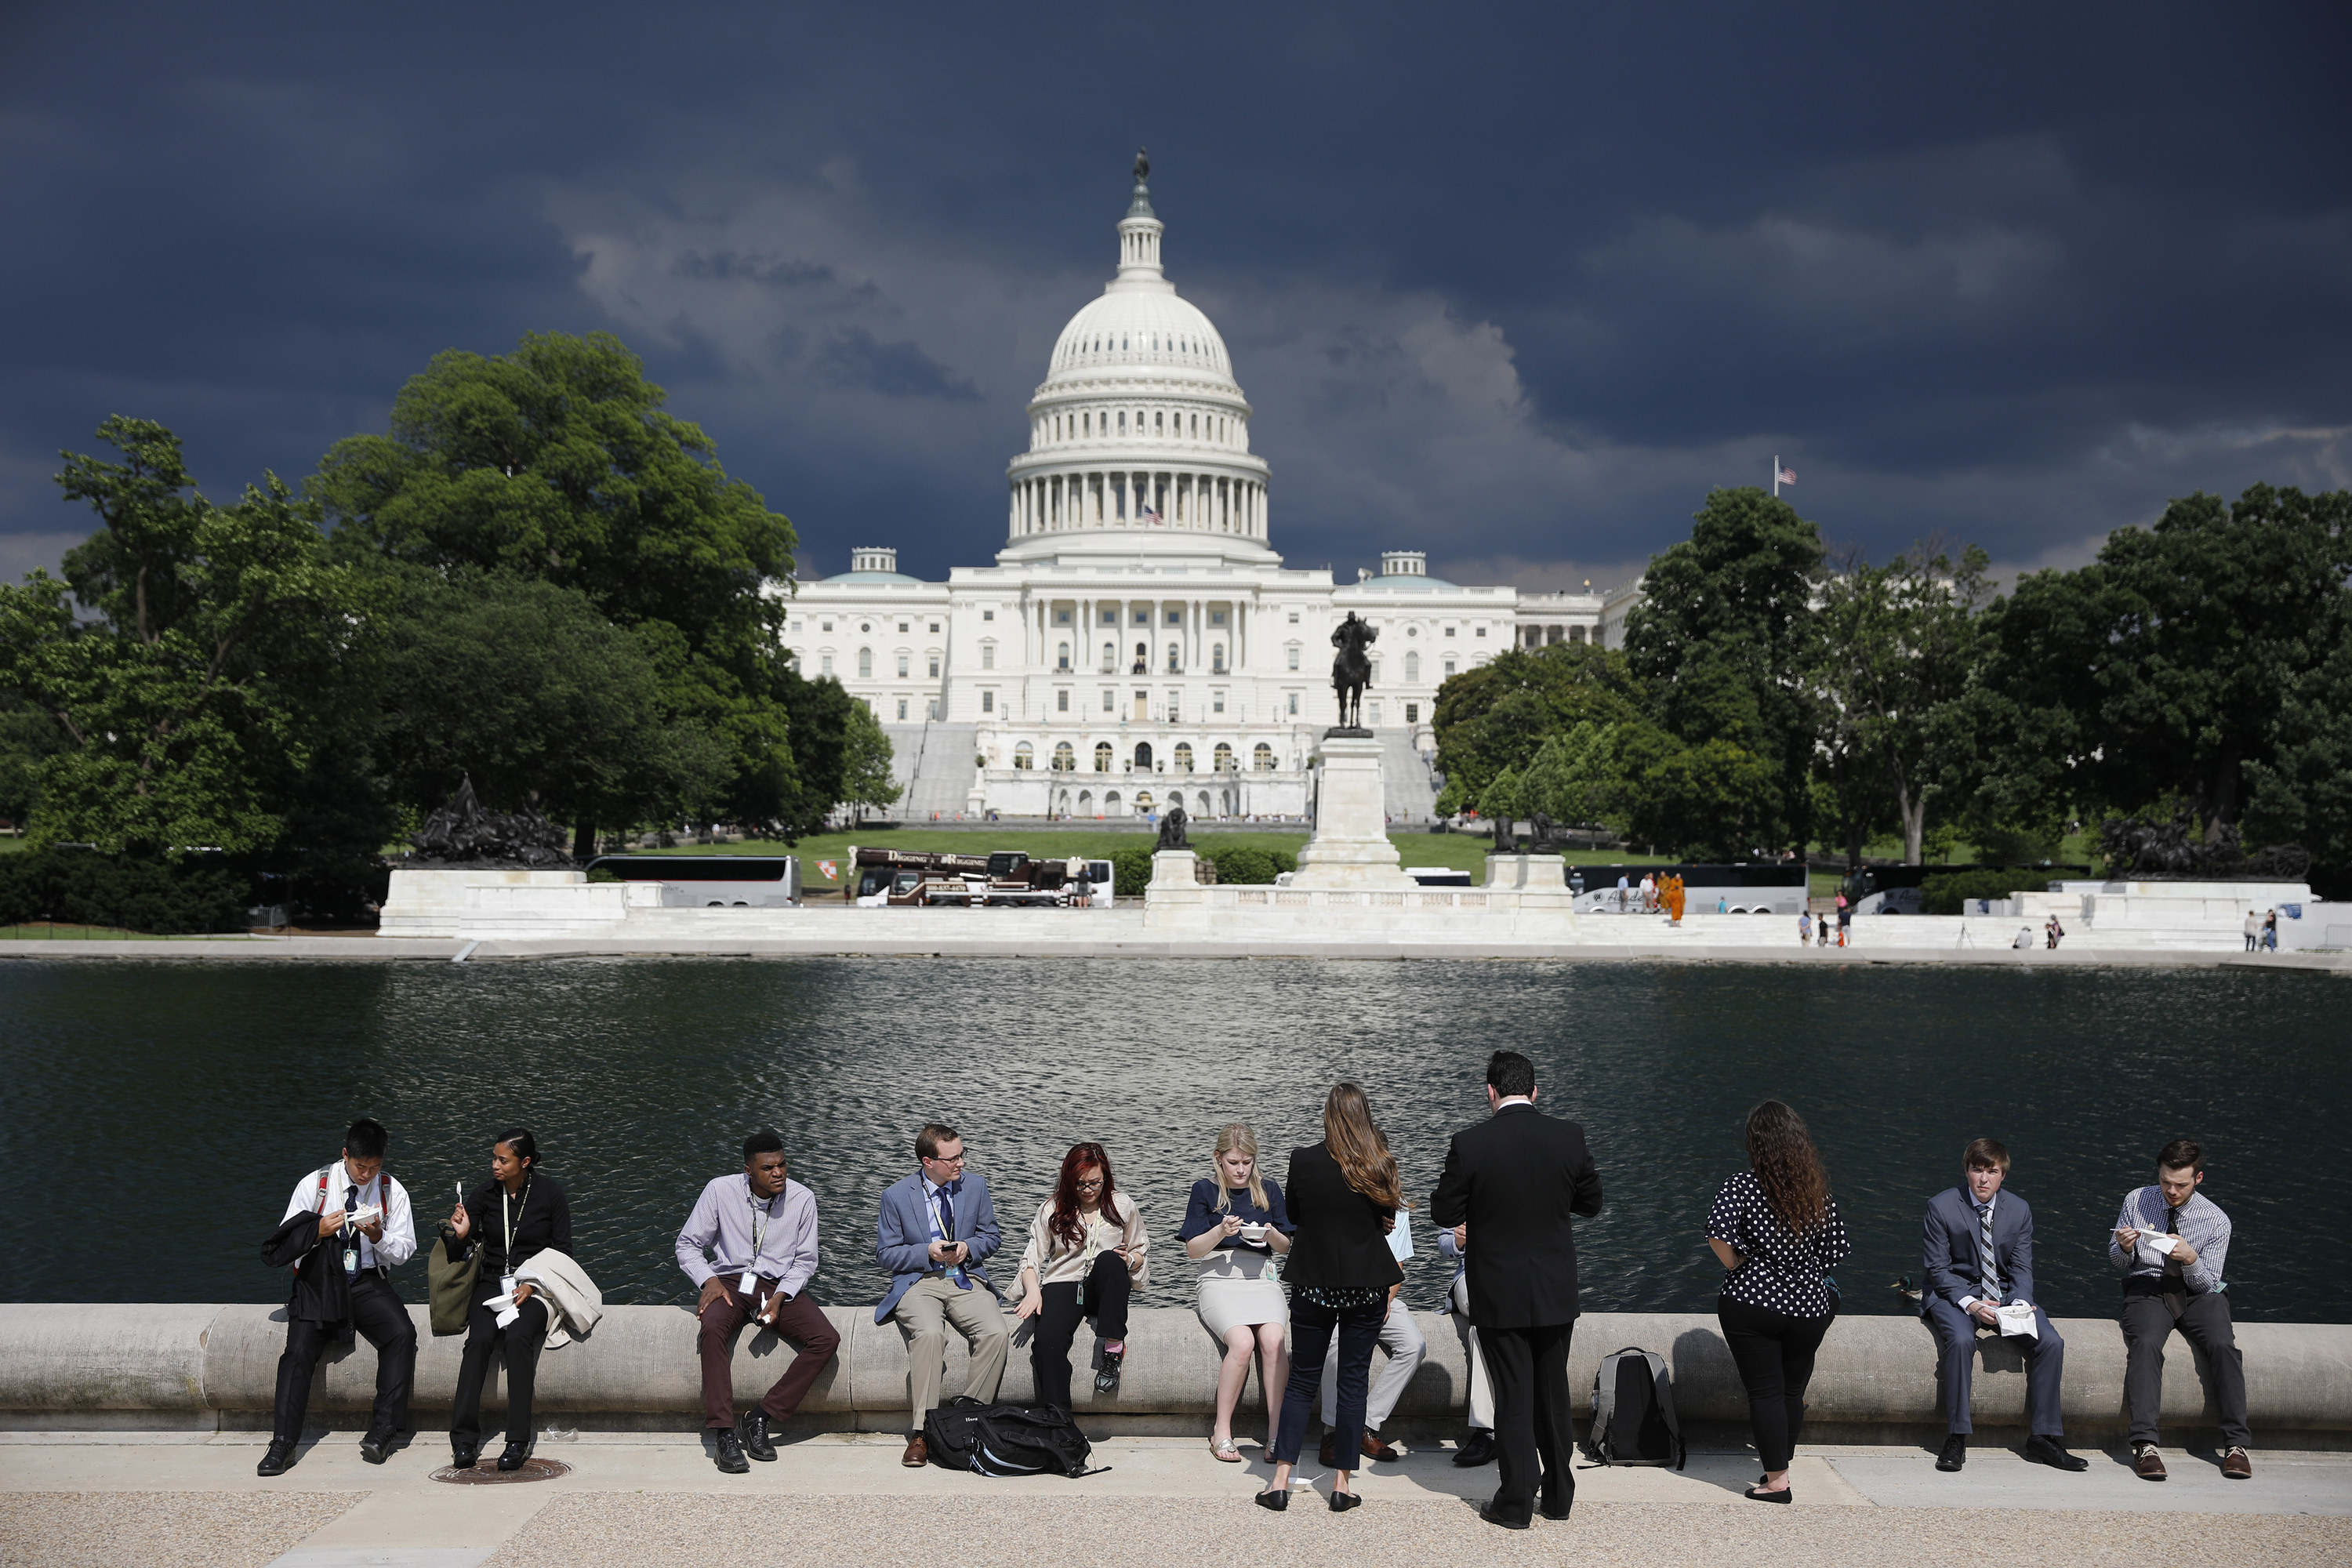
x=1535 y=1438
x=379 y=1316
x=1312 y=1330
x=2204 y=1322
x=1060 y=1312
x=1775 y=1355
x=521 y=1344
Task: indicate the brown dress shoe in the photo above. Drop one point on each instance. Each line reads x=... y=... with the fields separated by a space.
x=1376 y=1449
x=2147 y=1463
x=2237 y=1466
x=918 y=1454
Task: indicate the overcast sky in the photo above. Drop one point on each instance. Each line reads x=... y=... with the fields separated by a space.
x=1516 y=286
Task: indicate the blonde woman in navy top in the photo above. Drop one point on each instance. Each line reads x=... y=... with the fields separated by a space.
x=1235 y=1225
x=1777 y=1232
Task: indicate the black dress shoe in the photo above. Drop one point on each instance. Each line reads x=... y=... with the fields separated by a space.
x=375 y=1446
x=756 y=1441
x=275 y=1458
x=1106 y=1377
x=518 y=1449
x=462 y=1454
x=1548 y=1512
x=1955 y=1454
x=1343 y=1502
x=729 y=1458
x=1277 y=1500
x=2046 y=1450
x=1478 y=1448
x=1493 y=1515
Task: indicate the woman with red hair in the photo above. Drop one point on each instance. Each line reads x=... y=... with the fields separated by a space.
x=1086 y=1257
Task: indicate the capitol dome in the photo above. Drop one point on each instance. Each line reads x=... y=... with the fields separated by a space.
x=1138 y=426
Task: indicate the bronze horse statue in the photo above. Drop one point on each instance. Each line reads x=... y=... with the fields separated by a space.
x=1352 y=671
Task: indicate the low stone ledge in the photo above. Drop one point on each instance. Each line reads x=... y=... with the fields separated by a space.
x=119 y=1364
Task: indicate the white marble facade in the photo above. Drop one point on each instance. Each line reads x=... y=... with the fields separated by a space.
x=1137 y=639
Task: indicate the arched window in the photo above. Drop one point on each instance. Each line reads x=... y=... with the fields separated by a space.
x=1217 y=658
x=1110 y=659
x=1024 y=756
x=902 y=666
x=1142 y=757
x=1411 y=668
x=865 y=662
x=1142 y=659
x=1085 y=803
x=1221 y=759
x=1110 y=803
x=1183 y=756
x=1263 y=758
x=1102 y=757
x=1066 y=761
x=1174 y=667
x=1062 y=657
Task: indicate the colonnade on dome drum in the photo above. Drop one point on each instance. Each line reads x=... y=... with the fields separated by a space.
x=1138 y=497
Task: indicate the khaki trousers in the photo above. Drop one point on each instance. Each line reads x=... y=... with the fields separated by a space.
x=923 y=1315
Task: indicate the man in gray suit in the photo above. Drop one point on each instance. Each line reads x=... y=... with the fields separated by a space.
x=1979 y=1257
x=937 y=1228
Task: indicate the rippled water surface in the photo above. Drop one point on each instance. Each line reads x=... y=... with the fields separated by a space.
x=183 y=1100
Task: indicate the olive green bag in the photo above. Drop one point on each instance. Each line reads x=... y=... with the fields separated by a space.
x=449 y=1285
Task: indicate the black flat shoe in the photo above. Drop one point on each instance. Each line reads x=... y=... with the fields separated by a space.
x=1343 y=1502
x=1273 y=1499
x=1783 y=1495
x=1507 y=1520
x=1106 y=1377
x=513 y=1455
x=275 y=1459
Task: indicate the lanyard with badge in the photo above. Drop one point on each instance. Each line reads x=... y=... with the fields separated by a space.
x=749 y=1284
x=509 y=1220
x=953 y=1270
x=352 y=1234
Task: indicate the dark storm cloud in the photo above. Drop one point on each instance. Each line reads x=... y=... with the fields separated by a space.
x=1517 y=285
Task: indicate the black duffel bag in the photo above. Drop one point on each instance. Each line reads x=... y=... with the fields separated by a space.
x=1007 y=1440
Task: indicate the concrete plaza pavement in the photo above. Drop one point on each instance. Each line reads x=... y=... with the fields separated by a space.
x=646 y=1501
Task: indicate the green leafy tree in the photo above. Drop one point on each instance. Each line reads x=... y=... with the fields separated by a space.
x=188 y=697
x=1715 y=801
x=865 y=762
x=1503 y=799
x=1900 y=647
x=1499 y=714
x=558 y=462
x=1724 y=640
x=2164 y=668
x=1573 y=778
x=2303 y=793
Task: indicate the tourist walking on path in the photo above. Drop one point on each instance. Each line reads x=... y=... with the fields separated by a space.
x=1478 y=1446
x=759 y=1229
x=1236 y=1225
x=1515 y=1179
x=937 y=1228
x=1978 y=1259
x=1777 y=1232
x=1087 y=1254
x=516 y=1214
x=2171 y=1241
x=1344 y=1200
x=341 y=1285
x=1804 y=927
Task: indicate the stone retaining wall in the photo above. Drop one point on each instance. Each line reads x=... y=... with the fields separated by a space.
x=156 y=1366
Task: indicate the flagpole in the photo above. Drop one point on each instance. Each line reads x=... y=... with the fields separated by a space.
x=1776 y=476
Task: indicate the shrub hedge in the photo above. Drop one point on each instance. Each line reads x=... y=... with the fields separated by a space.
x=1950 y=893
x=81 y=887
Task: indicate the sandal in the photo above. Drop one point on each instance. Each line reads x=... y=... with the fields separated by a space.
x=1225 y=1451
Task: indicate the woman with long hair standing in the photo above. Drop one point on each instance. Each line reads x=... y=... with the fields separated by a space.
x=1235 y=1225
x=512 y=1217
x=1777 y=1232
x=1084 y=1258
x=1344 y=1199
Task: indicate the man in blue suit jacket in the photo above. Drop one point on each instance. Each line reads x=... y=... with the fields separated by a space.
x=1980 y=1257
x=937 y=1228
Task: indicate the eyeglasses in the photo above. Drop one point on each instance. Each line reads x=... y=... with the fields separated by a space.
x=944 y=1159
x=1094 y=1186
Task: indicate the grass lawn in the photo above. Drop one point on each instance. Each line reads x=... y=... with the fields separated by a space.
x=47 y=931
x=10 y=842
x=1457 y=851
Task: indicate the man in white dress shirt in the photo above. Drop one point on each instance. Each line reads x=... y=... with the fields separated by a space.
x=363 y=1216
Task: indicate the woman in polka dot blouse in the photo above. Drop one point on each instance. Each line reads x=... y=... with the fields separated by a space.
x=1777 y=1232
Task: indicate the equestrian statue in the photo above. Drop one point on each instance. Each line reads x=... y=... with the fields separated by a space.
x=1352 y=671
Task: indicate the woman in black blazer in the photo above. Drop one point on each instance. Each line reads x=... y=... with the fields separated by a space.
x=512 y=1217
x=1344 y=1197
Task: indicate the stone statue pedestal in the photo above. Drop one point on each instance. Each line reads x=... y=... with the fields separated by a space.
x=1350 y=848
x=1175 y=868
x=1526 y=871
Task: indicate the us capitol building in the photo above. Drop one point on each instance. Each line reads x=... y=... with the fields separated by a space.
x=1139 y=643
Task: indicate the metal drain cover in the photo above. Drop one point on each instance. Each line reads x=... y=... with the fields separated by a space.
x=484 y=1472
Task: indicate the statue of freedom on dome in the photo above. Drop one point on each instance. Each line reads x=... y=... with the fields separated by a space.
x=1142 y=165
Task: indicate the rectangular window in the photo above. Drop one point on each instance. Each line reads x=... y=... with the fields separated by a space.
x=1217 y=701
x=902 y=710
x=1143 y=618
x=1294 y=705
x=930 y=708
x=1294 y=655
x=902 y=667
x=1111 y=617
x=1062 y=701
x=1412 y=713
x=825 y=625
x=988 y=701
x=1449 y=631
x=1449 y=666
x=1216 y=618
x=1175 y=618
x=1376 y=710
x=988 y=656
x=824 y=665
x=1480 y=632
x=902 y=625
x=1061 y=617
x=1294 y=617
x=935 y=667
x=988 y=615
x=1109 y=703
x=935 y=629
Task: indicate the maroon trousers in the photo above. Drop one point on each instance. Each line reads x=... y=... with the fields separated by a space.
x=799 y=1321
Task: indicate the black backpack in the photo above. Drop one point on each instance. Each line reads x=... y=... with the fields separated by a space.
x=1633 y=1412
x=1006 y=1439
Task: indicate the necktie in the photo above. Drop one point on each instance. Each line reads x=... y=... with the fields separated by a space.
x=2172 y=1227
x=352 y=1242
x=947 y=1233
x=1987 y=1270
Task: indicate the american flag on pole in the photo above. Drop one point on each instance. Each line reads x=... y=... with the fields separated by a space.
x=1150 y=513
x=1786 y=477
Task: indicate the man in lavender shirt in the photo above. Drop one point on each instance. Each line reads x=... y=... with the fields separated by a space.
x=759 y=1229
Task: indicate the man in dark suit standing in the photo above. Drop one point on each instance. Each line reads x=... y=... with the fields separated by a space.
x=1513 y=1182
x=1978 y=1258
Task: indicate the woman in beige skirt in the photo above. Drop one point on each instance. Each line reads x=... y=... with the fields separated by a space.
x=1234 y=1227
